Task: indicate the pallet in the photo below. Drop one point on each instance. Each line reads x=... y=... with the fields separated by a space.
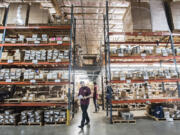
x=120 y=120
x=13 y=100
x=8 y=124
x=55 y=123
x=159 y=119
x=31 y=124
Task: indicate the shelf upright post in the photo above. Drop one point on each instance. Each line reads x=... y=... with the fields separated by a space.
x=175 y=63
x=74 y=63
x=70 y=67
x=108 y=58
x=4 y=33
x=105 y=51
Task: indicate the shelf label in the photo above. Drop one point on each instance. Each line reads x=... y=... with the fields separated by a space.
x=128 y=81
x=10 y=61
x=59 y=42
x=33 y=81
x=122 y=78
x=57 y=80
x=143 y=55
x=146 y=77
x=165 y=54
x=8 y=80
x=36 y=42
x=35 y=61
x=120 y=54
x=58 y=60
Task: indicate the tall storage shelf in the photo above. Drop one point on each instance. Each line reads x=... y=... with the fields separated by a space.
x=56 y=45
x=156 y=39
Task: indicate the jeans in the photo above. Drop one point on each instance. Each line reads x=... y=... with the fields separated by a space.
x=95 y=104
x=85 y=116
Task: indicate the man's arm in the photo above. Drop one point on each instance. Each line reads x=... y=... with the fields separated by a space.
x=89 y=94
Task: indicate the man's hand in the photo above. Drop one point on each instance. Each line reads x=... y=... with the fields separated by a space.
x=84 y=97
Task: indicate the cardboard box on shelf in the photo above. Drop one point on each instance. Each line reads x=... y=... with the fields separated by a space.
x=2 y=13
x=4 y=56
x=38 y=15
x=138 y=17
x=17 y=14
x=175 y=10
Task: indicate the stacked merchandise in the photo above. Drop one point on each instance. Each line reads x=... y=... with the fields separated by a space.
x=35 y=55
x=43 y=55
x=142 y=51
x=15 y=74
x=31 y=117
x=148 y=74
x=54 y=116
x=10 y=57
x=41 y=93
x=35 y=39
x=10 y=74
x=127 y=116
x=166 y=111
x=1 y=118
x=156 y=110
x=154 y=90
x=9 y=117
x=30 y=74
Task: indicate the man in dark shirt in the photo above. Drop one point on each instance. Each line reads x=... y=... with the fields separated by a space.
x=95 y=97
x=84 y=95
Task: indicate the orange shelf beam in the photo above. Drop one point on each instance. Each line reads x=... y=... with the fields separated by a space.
x=61 y=27
x=33 y=104
x=141 y=43
x=145 y=101
x=26 y=44
x=30 y=63
x=36 y=83
x=141 y=81
x=140 y=33
x=145 y=57
x=141 y=62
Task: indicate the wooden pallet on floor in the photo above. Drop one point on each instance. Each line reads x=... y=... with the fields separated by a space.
x=120 y=120
x=31 y=124
x=159 y=119
x=56 y=123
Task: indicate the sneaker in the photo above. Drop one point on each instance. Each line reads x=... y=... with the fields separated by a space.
x=80 y=127
x=87 y=123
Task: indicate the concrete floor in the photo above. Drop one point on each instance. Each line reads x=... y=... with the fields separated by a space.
x=99 y=126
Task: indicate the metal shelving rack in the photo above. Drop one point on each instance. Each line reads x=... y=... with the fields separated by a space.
x=58 y=65
x=142 y=60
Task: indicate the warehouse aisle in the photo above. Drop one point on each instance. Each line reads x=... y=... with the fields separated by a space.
x=99 y=126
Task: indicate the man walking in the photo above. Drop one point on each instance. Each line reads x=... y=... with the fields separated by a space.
x=84 y=96
x=95 y=95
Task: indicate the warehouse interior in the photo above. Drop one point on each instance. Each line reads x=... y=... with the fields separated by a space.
x=129 y=48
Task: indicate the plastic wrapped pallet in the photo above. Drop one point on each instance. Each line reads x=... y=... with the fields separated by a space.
x=158 y=16
x=141 y=16
x=30 y=116
x=175 y=10
x=2 y=12
x=38 y=15
x=138 y=17
x=17 y=14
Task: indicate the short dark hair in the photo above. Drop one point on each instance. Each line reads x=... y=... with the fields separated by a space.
x=95 y=83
